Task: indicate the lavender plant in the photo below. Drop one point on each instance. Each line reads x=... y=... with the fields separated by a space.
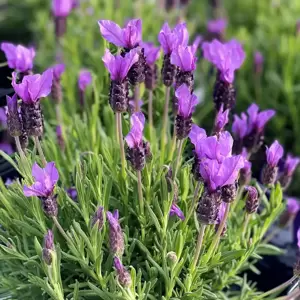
x=89 y=225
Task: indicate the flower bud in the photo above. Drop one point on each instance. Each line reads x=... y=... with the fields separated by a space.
x=118 y=96
x=123 y=275
x=172 y=258
x=49 y=205
x=32 y=118
x=228 y=193
x=116 y=238
x=48 y=247
x=252 y=200
x=269 y=175
x=98 y=217
x=168 y=71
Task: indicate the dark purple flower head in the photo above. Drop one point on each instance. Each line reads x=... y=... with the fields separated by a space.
x=217 y=26
x=58 y=70
x=123 y=275
x=176 y=211
x=135 y=136
x=227 y=57
x=45 y=181
x=116 y=238
x=258 y=120
x=258 y=58
x=33 y=87
x=49 y=240
x=293 y=206
x=7 y=148
x=128 y=37
x=217 y=174
x=186 y=101
x=291 y=164
x=84 y=80
x=62 y=8
x=72 y=193
x=221 y=119
x=151 y=52
x=12 y=104
x=18 y=57
x=118 y=66
x=171 y=39
x=184 y=58
x=274 y=154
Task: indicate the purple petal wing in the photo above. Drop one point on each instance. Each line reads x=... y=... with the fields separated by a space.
x=130 y=58
x=52 y=172
x=10 y=53
x=112 y=32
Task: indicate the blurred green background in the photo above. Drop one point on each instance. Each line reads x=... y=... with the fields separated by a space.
x=268 y=26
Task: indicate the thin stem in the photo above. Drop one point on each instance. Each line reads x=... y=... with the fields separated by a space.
x=173 y=147
x=198 y=247
x=272 y=234
x=137 y=97
x=164 y=125
x=192 y=207
x=40 y=150
x=217 y=235
x=291 y=296
x=178 y=158
x=245 y=224
x=58 y=114
x=121 y=142
x=238 y=197
x=140 y=192
x=278 y=288
x=61 y=230
x=150 y=112
x=19 y=148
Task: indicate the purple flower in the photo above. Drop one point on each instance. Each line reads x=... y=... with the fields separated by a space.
x=58 y=70
x=186 y=101
x=217 y=26
x=45 y=181
x=217 y=174
x=293 y=206
x=7 y=148
x=3 y=116
x=49 y=240
x=98 y=217
x=33 y=87
x=12 y=105
x=128 y=37
x=116 y=238
x=274 y=154
x=18 y=57
x=119 y=66
x=84 y=79
x=247 y=163
x=72 y=193
x=240 y=126
x=151 y=52
x=135 y=136
x=291 y=164
x=196 y=135
x=62 y=8
x=123 y=275
x=171 y=39
x=221 y=119
x=221 y=212
x=176 y=211
x=196 y=43
x=258 y=58
x=184 y=58
x=132 y=108
x=258 y=120
x=8 y=182
x=227 y=57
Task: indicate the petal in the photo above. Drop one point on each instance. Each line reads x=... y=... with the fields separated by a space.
x=175 y=210
x=130 y=58
x=38 y=173
x=118 y=264
x=112 y=32
x=39 y=86
x=52 y=172
x=21 y=88
x=10 y=53
x=182 y=34
x=264 y=117
x=298 y=238
x=37 y=189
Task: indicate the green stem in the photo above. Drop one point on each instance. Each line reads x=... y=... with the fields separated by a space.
x=178 y=158
x=198 y=248
x=217 y=235
x=245 y=224
x=150 y=112
x=278 y=288
x=192 y=206
x=40 y=150
x=291 y=296
x=121 y=142
x=164 y=125
x=4 y=64
x=140 y=191
x=19 y=148
x=61 y=230
x=239 y=196
x=173 y=147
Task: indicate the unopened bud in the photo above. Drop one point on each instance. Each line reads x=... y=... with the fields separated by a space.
x=123 y=275
x=98 y=218
x=252 y=200
x=172 y=257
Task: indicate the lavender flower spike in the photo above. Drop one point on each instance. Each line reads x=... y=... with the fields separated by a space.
x=84 y=79
x=270 y=170
x=252 y=201
x=293 y=206
x=176 y=211
x=128 y=37
x=227 y=58
x=98 y=217
x=116 y=238
x=56 y=90
x=217 y=26
x=221 y=120
x=258 y=62
x=186 y=106
x=60 y=10
x=31 y=90
x=14 y=123
x=123 y=275
x=138 y=151
x=48 y=247
x=43 y=187
x=291 y=164
x=18 y=57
